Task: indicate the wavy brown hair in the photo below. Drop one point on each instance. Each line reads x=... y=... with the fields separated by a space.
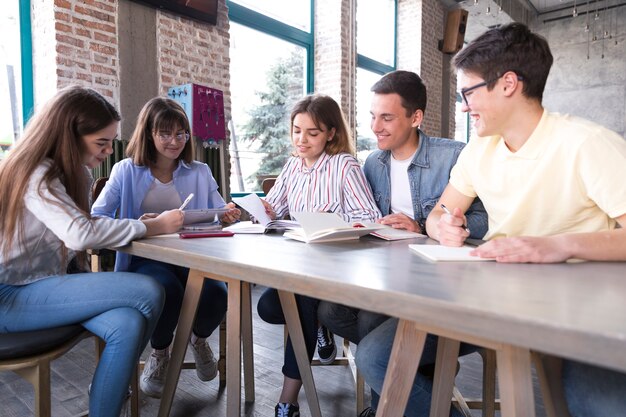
x=158 y=114
x=323 y=109
x=54 y=133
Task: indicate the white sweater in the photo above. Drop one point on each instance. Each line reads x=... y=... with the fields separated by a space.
x=47 y=227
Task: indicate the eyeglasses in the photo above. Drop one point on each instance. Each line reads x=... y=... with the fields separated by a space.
x=464 y=91
x=165 y=138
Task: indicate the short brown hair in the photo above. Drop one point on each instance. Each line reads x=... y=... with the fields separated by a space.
x=408 y=85
x=511 y=47
x=323 y=109
x=158 y=114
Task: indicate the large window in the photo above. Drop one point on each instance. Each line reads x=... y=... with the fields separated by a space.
x=270 y=69
x=15 y=76
x=376 y=51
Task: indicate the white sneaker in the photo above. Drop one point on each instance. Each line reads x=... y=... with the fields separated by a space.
x=206 y=365
x=153 y=375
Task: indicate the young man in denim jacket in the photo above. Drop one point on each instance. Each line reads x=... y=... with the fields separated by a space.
x=407 y=175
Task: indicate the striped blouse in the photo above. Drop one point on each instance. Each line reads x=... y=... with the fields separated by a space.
x=335 y=183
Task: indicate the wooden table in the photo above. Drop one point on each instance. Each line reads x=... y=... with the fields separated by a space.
x=570 y=310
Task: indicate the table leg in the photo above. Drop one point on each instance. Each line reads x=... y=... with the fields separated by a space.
x=183 y=331
x=443 y=381
x=516 y=389
x=403 y=362
x=246 y=330
x=233 y=349
x=290 y=310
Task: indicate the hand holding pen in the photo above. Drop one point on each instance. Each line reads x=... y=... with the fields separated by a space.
x=448 y=212
x=452 y=230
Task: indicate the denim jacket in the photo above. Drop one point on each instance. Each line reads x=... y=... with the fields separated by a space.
x=429 y=173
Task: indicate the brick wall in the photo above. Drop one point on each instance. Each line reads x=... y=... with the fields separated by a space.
x=420 y=27
x=193 y=51
x=86 y=45
x=431 y=65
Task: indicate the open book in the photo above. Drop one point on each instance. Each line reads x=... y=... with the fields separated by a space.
x=327 y=227
x=253 y=205
x=435 y=253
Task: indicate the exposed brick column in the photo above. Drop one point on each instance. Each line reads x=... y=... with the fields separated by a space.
x=420 y=27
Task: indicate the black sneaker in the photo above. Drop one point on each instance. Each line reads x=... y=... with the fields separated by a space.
x=287 y=410
x=326 y=348
x=368 y=412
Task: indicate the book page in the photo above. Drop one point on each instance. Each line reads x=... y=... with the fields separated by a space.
x=438 y=253
x=253 y=205
x=313 y=222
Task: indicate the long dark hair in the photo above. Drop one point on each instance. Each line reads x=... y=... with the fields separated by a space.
x=54 y=133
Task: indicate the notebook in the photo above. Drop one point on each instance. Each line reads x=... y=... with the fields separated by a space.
x=438 y=253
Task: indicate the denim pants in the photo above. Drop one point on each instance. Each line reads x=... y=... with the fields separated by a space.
x=211 y=308
x=271 y=311
x=372 y=358
x=119 y=307
x=591 y=391
x=348 y=322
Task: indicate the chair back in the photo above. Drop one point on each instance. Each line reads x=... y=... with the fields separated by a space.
x=97 y=187
x=267 y=185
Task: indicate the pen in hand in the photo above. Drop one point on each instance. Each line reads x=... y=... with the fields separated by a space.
x=448 y=212
x=187 y=200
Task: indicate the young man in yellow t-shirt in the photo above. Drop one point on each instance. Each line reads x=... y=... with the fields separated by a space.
x=552 y=184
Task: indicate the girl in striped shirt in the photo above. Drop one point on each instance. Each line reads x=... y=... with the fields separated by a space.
x=321 y=176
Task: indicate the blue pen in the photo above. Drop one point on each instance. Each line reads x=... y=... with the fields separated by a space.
x=448 y=211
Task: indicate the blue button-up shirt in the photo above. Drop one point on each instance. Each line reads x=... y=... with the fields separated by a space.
x=129 y=183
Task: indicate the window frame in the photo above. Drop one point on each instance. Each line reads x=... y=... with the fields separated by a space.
x=26 y=52
x=270 y=26
x=265 y=24
x=373 y=65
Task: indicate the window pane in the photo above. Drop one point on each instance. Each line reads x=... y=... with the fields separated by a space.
x=296 y=13
x=365 y=139
x=265 y=84
x=10 y=76
x=375 y=34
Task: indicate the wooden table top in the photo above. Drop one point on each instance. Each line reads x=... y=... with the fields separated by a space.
x=574 y=310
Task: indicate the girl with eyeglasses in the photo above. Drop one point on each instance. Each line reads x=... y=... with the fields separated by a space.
x=158 y=175
x=45 y=222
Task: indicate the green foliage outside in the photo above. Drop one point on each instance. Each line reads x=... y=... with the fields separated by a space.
x=269 y=124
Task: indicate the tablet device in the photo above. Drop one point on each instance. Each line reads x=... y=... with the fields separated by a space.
x=203 y=215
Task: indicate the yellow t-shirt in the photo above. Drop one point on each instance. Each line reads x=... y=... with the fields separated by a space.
x=570 y=176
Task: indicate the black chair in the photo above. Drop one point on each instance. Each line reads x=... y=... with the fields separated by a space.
x=29 y=355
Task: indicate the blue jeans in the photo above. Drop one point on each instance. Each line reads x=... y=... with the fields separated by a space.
x=592 y=391
x=372 y=358
x=271 y=311
x=119 y=307
x=211 y=308
x=348 y=322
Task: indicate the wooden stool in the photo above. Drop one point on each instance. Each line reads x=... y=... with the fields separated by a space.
x=29 y=355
